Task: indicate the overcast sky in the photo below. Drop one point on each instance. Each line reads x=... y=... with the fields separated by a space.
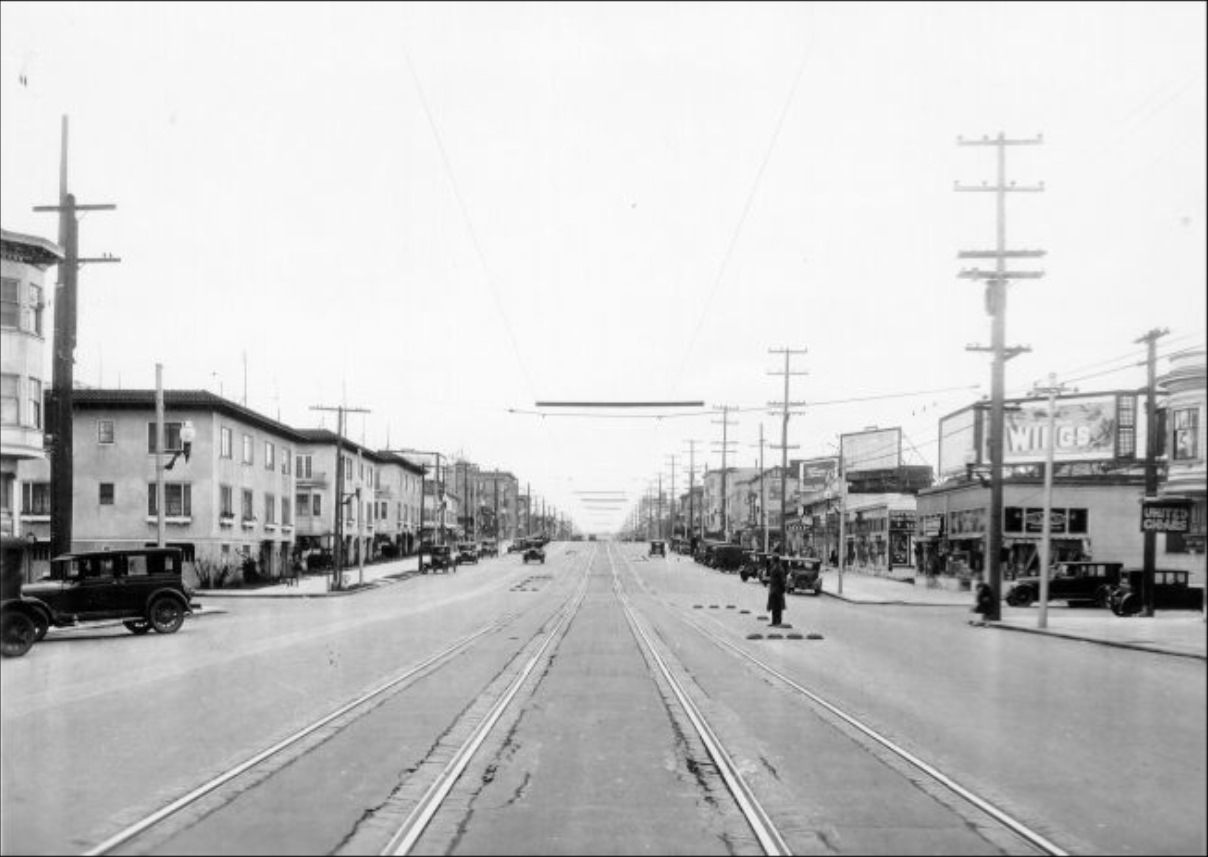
x=447 y=212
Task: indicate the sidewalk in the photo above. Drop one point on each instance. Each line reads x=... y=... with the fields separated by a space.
x=319 y=583
x=1174 y=632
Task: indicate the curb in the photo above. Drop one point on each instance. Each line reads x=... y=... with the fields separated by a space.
x=353 y=590
x=1154 y=650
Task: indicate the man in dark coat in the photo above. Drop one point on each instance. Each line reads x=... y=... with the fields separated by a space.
x=776 y=586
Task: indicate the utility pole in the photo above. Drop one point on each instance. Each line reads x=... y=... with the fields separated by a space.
x=784 y=438
x=691 y=488
x=337 y=553
x=59 y=423
x=672 y=503
x=763 y=493
x=1052 y=391
x=996 y=307
x=725 y=445
x=528 y=509
x=1149 y=545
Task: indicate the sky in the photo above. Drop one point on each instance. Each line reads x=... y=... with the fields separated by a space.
x=445 y=213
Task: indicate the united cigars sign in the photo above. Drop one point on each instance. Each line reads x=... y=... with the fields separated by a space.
x=1165 y=517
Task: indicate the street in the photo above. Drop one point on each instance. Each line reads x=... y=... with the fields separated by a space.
x=1098 y=750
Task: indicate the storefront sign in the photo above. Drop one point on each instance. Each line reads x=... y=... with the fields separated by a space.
x=1165 y=517
x=902 y=522
x=817 y=474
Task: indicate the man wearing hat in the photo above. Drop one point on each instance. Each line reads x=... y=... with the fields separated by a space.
x=776 y=586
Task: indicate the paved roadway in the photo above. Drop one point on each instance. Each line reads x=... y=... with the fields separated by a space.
x=1100 y=748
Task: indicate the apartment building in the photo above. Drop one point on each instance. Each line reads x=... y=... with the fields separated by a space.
x=23 y=379
x=397 y=486
x=229 y=501
x=319 y=499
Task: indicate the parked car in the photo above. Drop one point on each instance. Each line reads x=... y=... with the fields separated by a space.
x=803 y=574
x=728 y=557
x=1072 y=582
x=488 y=548
x=143 y=587
x=467 y=552
x=437 y=558
x=1171 y=591
x=534 y=552
x=755 y=564
x=658 y=547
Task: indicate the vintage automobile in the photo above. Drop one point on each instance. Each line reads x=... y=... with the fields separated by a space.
x=467 y=552
x=1073 y=582
x=1171 y=591
x=727 y=557
x=755 y=565
x=658 y=547
x=802 y=574
x=488 y=548
x=434 y=558
x=535 y=552
x=144 y=587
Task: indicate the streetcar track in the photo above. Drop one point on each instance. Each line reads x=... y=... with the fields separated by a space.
x=238 y=775
x=913 y=762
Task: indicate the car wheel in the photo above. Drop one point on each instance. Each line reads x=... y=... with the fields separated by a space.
x=1130 y=604
x=166 y=615
x=18 y=633
x=1020 y=597
x=40 y=629
x=137 y=626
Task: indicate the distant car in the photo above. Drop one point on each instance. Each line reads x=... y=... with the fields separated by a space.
x=488 y=548
x=467 y=552
x=534 y=552
x=143 y=587
x=658 y=547
x=754 y=565
x=1171 y=591
x=727 y=557
x=1073 y=582
x=437 y=558
x=803 y=574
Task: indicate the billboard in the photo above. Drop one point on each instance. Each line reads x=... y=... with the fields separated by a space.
x=958 y=443
x=876 y=449
x=815 y=475
x=1084 y=429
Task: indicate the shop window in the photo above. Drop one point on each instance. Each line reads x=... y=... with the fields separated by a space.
x=1185 y=437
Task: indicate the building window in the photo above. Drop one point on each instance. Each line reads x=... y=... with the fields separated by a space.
x=35 y=498
x=9 y=410
x=1185 y=423
x=35 y=403
x=36 y=306
x=226 y=500
x=1126 y=426
x=269 y=461
x=104 y=431
x=178 y=500
x=303 y=501
x=270 y=509
x=249 y=513
x=317 y=507
x=303 y=467
x=171 y=437
x=286 y=518
x=286 y=458
x=226 y=444
x=105 y=498
x=10 y=302
x=248 y=451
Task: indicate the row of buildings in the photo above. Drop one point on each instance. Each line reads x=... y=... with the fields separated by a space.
x=886 y=515
x=249 y=487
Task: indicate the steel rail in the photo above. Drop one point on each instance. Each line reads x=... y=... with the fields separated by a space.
x=760 y=822
x=201 y=791
x=1015 y=826
x=417 y=821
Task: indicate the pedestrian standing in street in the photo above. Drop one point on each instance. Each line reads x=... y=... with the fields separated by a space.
x=776 y=586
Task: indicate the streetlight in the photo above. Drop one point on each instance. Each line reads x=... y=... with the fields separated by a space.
x=187 y=433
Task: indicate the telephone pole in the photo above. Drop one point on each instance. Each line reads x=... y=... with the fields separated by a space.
x=1051 y=391
x=59 y=423
x=996 y=306
x=337 y=552
x=725 y=444
x=671 y=504
x=1149 y=545
x=763 y=493
x=784 y=437
x=691 y=489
